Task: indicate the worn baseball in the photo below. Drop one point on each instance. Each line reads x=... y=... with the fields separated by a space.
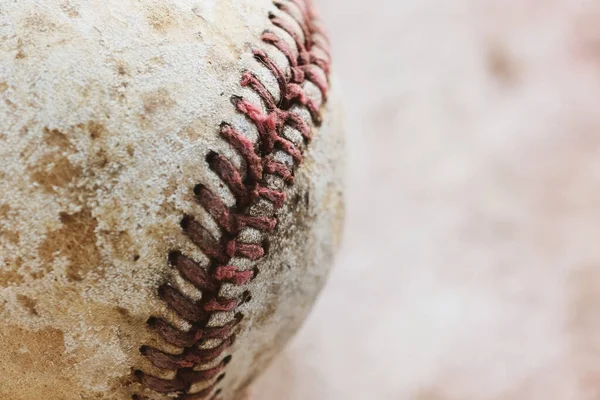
x=170 y=193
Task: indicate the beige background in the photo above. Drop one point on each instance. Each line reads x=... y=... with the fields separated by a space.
x=471 y=265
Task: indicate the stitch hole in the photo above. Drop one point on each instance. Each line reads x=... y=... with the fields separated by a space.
x=198 y=188
x=235 y=99
x=246 y=296
x=248 y=181
x=218 y=392
x=210 y=156
x=296 y=200
x=185 y=221
x=220 y=378
x=161 y=290
x=173 y=255
x=138 y=374
x=227 y=359
x=256 y=272
x=266 y=244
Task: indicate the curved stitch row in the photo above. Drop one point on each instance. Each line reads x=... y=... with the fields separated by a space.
x=231 y=220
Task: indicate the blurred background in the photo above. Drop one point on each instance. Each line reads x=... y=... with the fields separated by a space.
x=471 y=263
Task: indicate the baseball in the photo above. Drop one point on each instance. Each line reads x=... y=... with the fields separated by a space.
x=171 y=194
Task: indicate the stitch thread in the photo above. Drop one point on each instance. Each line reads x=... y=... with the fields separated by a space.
x=248 y=187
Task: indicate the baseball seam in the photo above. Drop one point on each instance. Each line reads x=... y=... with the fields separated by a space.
x=248 y=187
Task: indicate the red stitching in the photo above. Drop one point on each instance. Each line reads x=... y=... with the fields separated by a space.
x=248 y=187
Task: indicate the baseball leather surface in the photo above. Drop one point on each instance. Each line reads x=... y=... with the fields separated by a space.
x=170 y=193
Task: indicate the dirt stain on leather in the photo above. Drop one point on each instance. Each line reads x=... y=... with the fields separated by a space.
x=75 y=240
x=160 y=17
x=39 y=354
x=55 y=171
